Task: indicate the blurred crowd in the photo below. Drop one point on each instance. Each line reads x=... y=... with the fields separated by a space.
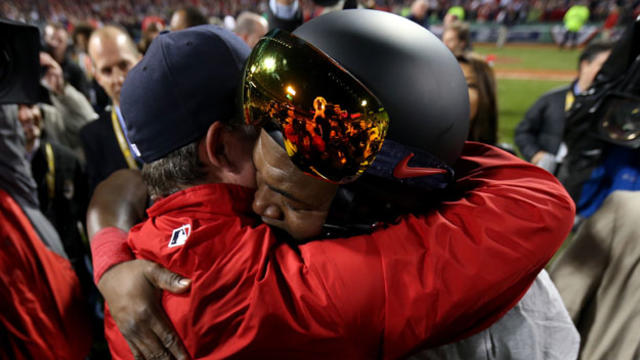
x=131 y=14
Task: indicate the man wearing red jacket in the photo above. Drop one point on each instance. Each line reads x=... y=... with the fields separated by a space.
x=42 y=310
x=378 y=294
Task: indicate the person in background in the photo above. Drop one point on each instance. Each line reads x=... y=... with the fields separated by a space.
x=151 y=27
x=56 y=40
x=284 y=14
x=70 y=111
x=457 y=38
x=250 y=27
x=80 y=38
x=419 y=12
x=187 y=17
x=43 y=314
x=598 y=278
x=611 y=22
x=81 y=34
x=506 y=18
x=482 y=99
x=574 y=20
x=62 y=187
x=455 y=13
x=104 y=141
x=539 y=135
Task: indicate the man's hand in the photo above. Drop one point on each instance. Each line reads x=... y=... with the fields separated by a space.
x=54 y=78
x=535 y=159
x=132 y=292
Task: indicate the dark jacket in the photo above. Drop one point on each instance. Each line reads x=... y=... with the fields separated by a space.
x=68 y=205
x=284 y=24
x=101 y=149
x=543 y=125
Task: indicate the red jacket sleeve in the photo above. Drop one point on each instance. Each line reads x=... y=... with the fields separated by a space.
x=42 y=313
x=109 y=248
x=456 y=270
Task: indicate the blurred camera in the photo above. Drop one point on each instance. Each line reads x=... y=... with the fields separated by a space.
x=19 y=63
x=610 y=111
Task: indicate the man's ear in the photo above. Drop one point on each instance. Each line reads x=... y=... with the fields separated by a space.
x=215 y=146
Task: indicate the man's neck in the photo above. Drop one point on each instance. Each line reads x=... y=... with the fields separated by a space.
x=580 y=86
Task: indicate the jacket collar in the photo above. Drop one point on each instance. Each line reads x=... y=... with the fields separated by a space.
x=216 y=199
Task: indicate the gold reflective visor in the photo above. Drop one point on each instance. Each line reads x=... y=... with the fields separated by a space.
x=331 y=124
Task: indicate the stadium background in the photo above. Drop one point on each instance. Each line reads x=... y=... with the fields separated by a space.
x=526 y=67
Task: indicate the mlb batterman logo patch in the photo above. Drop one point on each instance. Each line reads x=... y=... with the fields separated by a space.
x=180 y=235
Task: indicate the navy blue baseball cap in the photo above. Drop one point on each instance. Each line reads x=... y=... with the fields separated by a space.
x=187 y=80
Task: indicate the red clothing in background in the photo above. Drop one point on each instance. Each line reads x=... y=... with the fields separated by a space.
x=41 y=312
x=427 y=280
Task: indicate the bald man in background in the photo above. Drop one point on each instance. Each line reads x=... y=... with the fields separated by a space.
x=113 y=53
x=250 y=27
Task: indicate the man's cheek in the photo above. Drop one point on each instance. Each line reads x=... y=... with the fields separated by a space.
x=305 y=225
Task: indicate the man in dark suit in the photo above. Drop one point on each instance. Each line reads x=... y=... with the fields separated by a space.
x=62 y=187
x=105 y=140
x=540 y=133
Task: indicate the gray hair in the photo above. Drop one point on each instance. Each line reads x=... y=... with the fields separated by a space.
x=182 y=168
x=173 y=172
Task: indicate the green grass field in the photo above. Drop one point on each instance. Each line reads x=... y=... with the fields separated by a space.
x=536 y=57
x=516 y=96
x=514 y=99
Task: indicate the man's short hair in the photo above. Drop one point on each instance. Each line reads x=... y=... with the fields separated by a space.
x=193 y=16
x=182 y=168
x=247 y=23
x=592 y=50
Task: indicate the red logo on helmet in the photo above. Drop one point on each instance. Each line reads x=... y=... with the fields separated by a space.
x=403 y=171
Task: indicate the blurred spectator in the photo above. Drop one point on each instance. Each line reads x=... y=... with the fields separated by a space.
x=43 y=314
x=187 y=17
x=611 y=22
x=62 y=188
x=483 y=109
x=56 y=41
x=284 y=14
x=80 y=37
x=574 y=20
x=455 y=13
x=457 y=38
x=598 y=278
x=539 y=135
x=506 y=18
x=250 y=27
x=113 y=54
x=73 y=110
x=151 y=27
x=418 y=14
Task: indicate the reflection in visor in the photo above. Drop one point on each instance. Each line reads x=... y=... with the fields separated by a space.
x=331 y=124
